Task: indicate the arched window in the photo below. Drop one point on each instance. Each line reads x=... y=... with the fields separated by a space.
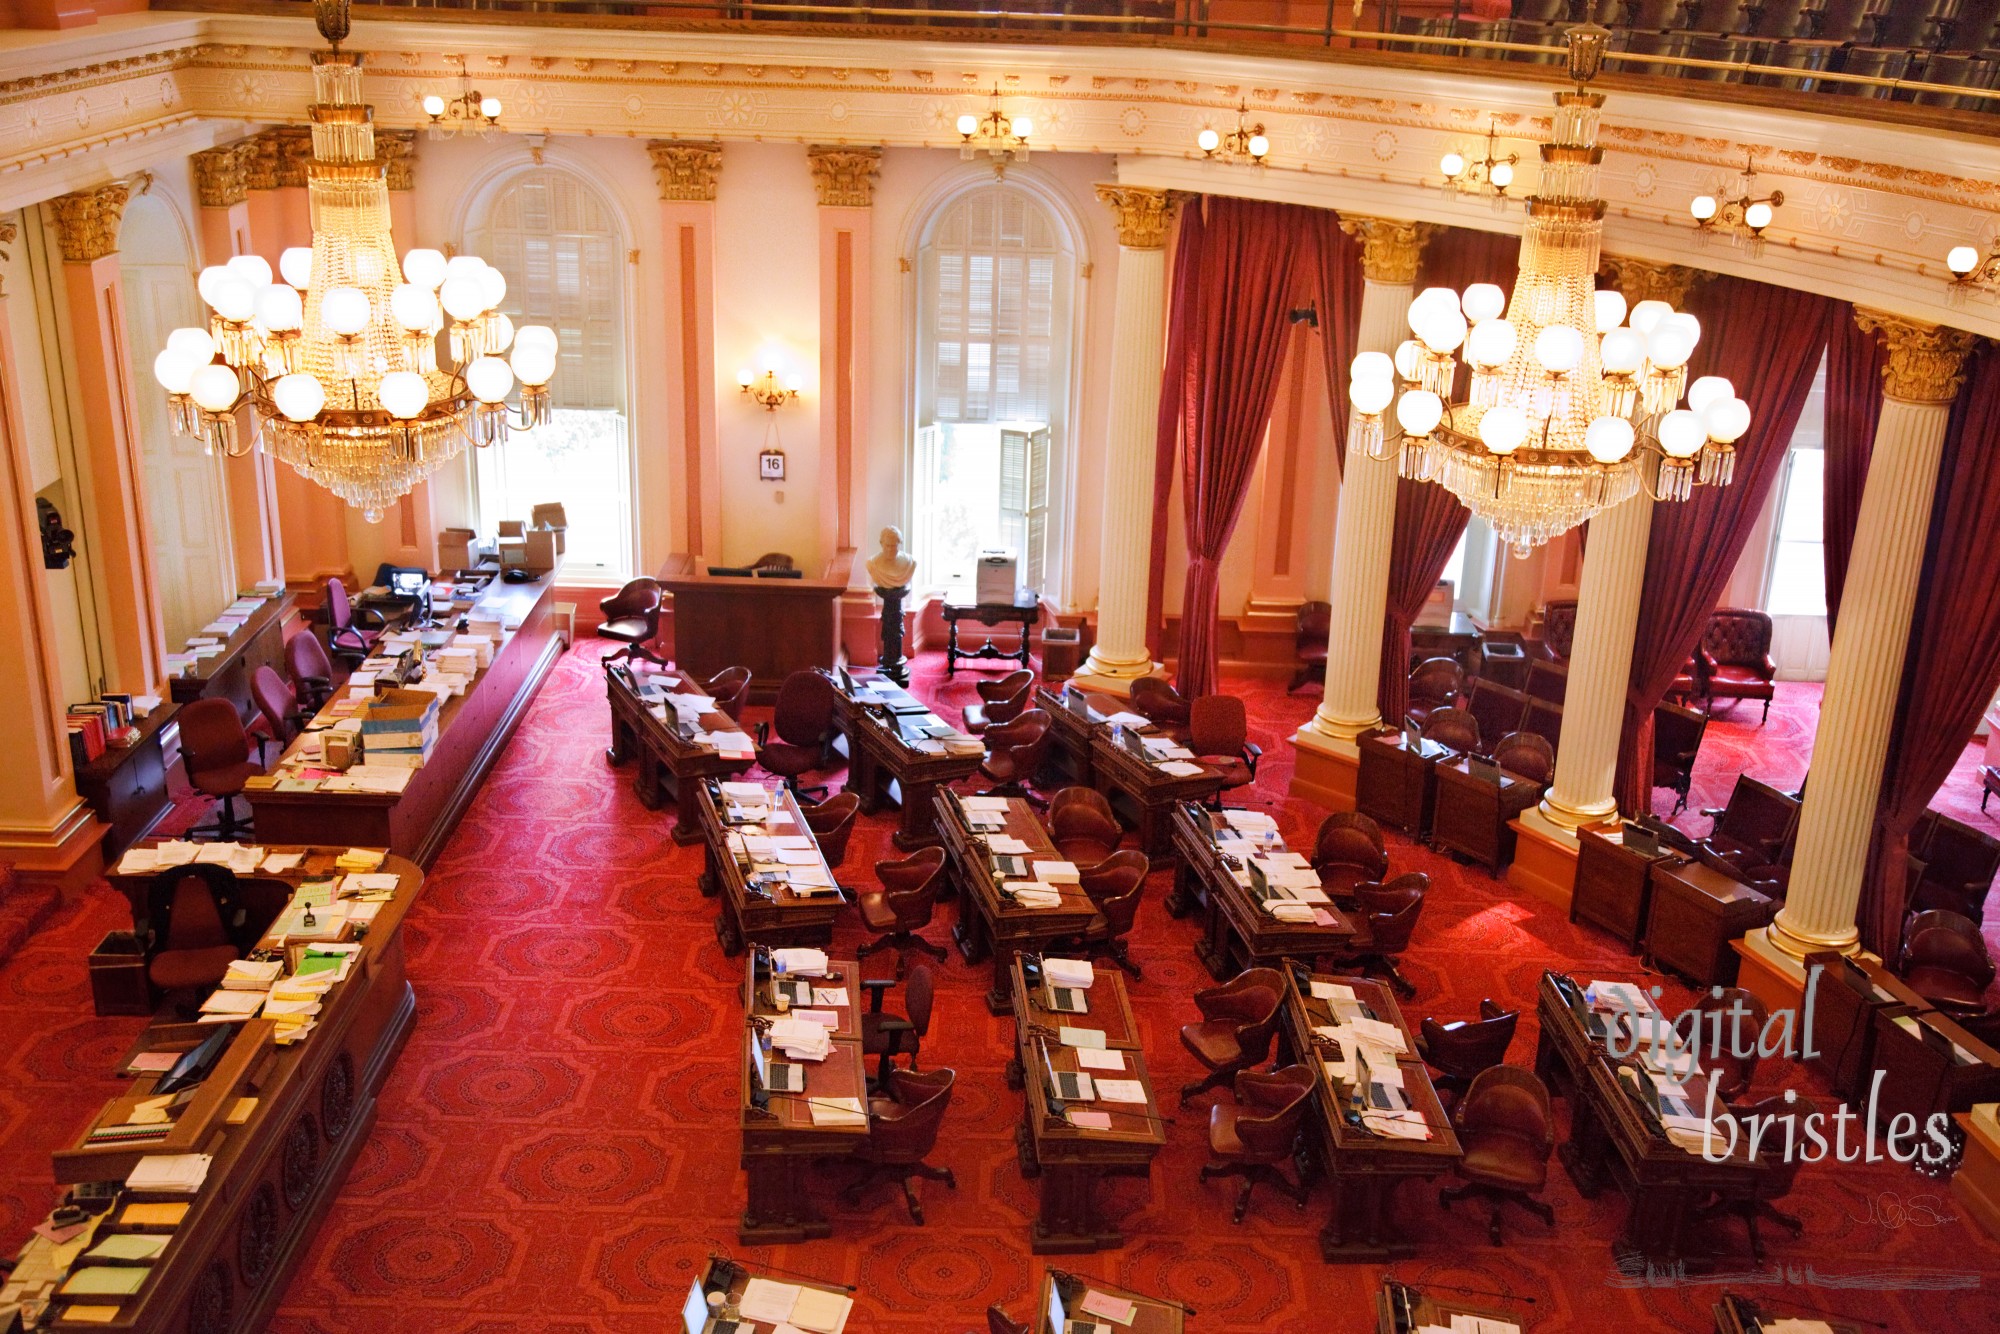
x=997 y=277
x=561 y=247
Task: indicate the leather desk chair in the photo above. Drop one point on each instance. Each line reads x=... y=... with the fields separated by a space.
x=1734 y=658
x=1000 y=701
x=1558 y=629
x=1014 y=753
x=215 y=751
x=1526 y=755
x=774 y=560
x=350 y=634
x=1115 y=887
x=1082 y=826
x=802 y=717
x=1776 y=1183
x=195 y=927
x=1959 y=865
x=1460 y=1052
x=1219 y=735
x=1732 y=1073
x=1437 y=683
x=1945 y=961
x=1547 y=682
x=1309 y=644
x=1677 y=734
x=1755 y=829
x=1255 y=1135
x=1390 y=916
x=632 y=618
x=1504 y=1125
x=1454 y=727
x=311 y=670
x=888 y=1036
x=730 y=689
x=1155 y=699
x=832 y=824
x=902 y=1130
x=999 y=1322
x=1497 y=709
x=903 y=906
x=1348 y=851
x=278 y=718
x=1239 y=1019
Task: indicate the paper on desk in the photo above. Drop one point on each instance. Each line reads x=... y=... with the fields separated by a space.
x=1006 y=845
x=784 y=841
x=282 y=861
x=1069 y=972
x=1381 y=1034
x=138 y=861
x=801 y=961
x=1397 y=1125
x=821 y=1312
x=808 y=877
x=1127 y=718
x=1092 y=1058
x=1087 y=1039
x=1057 y=873
x=1117 y=1310
x=826 y=1017
x=830 y=996
x=997 y=804
x=1462 y=1323
x=1796 y=1327
x=1084 y=1119
x=797 y=856
x=1030 y=894
x=767 y=1300
x=1241 y=819
x=839 y=1112
x=1182 y=769
x=1121 y=1090
x=753 y=792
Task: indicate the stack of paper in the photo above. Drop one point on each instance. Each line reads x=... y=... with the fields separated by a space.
x=729 y=745
x=1069 y=972
x=801 y=962
x=173 y=1173
x=226 y=1006
x=1299 y=914
x=1057 y=873
x=1004 y=845
x=1182 y=769
x=1029 y=894
x=839 y=1112
x=279 y=862
x=361 y=859
x=252 y=974
x=801 y=1039
x=1126 y=718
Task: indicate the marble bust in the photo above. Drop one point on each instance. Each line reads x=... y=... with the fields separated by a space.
x=889 y=567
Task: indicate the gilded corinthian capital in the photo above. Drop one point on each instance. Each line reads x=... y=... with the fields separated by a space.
x=1926 y=362
x=87 y=221
x=1644 y=280
x=219 y=176
x=1390 y=250
x=1141 y=213
x=686 y=170
x=844 y=177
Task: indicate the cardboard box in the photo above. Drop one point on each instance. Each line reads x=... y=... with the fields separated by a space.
x=457 y=549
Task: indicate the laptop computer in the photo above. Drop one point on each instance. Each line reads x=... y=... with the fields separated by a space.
x=1059 y=1321
x=694 y=1315
x=1067 y=1000
x=774 y=1075
x=1070 y=1085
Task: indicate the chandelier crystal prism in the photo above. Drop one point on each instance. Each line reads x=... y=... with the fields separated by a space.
x=336 y=359
x=1568 y=408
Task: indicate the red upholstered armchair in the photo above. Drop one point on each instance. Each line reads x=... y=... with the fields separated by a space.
x=1527 y=755
x=1734 y=658
x=1460 y=1052
x=1946 y=962
x=350 y=634
x=902 y=1130
x=311 y=670
x=832 y=824
x=1083 y=827
x=1253 y=1136
x=1558 y=629
x=1014 y=752
x=1219 y=732
x=278 y=717
x=1315 y=624
x=1348 y=851
x=1239 y=1020
x=1508 y=1132
x=803 y=721
x=1732 y=1073
x=1156 y=699
x=1115 y=887
x=1437 y=683
x=632 y=617
x=730 y=689
x=1782 y=1168
x=903 y=906
x=1000 y=701
x=215 y=751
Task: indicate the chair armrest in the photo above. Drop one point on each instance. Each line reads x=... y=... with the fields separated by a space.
x=367 y=616
x=763 y=733
x=892 y=1024
x=1768 y=668
x=876 y=987
x=1252 y=752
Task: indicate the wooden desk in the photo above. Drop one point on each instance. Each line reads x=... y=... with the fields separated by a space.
x=730 y=1279
x=1143 y=793
x=1935 y=1069
x=781 y=1139
x=1068 y=1160
x=1076 y=718
x=1110 y=1014
x=1024 y=610
x=1611 y=1139
x=670 y=763
x=1150 y=1316
x=887 y=765
x=1455 y=639
x=1697 y=910
x=774 y=914
x=127 y=785
x=1740 y=1315
x=274 y=1177
x=1397 y=784
x=1400 y=1308
x=1614 y=885
x=1846 y=995
x=992 y=924
x=473 y=729
x=1470 y=816
x=1239 y=932
x=258 y=642
x=1365 y=1168
x=772 y=626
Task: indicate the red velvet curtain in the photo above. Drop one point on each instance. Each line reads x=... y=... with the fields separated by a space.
x=1768 y=341
x=1252 y=257
x=1952 y=668
x=1854 y=361
x=1429 y=519
x=1188 y=239
x=1337 y=286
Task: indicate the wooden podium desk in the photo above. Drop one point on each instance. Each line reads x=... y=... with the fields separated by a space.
x=274 y=1177
x=258 y=642
x=781 y=1139
x=1400 y=1308
x=1697 y=910
x=1141 y=792
x=1397 y=783
x=1076 y=718
x=1846 y=995
x=473 y=729
x=1614 y=885
x=992 y=924
x=1473 y=817
x=1068 y=1160
x=1365 y=1167
x=774 y=914
x=1110 y=1013
x=1238 y=932
x=1150 y=1315
x=1929 y=1066
x=669 y=762
x=772 y=626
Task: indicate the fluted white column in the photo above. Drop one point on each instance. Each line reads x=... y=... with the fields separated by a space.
x=1120 y=654
x=1865 y=672
x=1600 y=665
x=1364 y=525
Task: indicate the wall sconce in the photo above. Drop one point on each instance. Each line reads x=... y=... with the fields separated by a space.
x=1491 y=174
x=1245 y=141
x=1969 y=271
x=468 y=113
x=999 y=136
x=769 y=394
x=1746 y=215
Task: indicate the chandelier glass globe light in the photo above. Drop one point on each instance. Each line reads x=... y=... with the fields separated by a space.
x=335 y=356
x=1572 y=403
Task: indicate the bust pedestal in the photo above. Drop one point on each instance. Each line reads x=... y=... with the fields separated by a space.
x=892 y=664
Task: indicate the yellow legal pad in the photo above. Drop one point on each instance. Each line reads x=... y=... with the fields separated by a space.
x=106 y=1281
x=153 y=1215
x=90 y=1315
x=239 y=1114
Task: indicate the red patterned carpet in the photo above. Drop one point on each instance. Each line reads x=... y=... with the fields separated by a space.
x=556 y=1148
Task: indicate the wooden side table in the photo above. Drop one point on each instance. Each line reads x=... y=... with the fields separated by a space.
x=1697 y=911
x=1025 y=610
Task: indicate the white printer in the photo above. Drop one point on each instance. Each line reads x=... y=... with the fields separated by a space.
x=999 y=575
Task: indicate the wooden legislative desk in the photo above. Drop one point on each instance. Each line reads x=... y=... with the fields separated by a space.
x=127 y=785
x=1075 y=718
x=990 y=923
x=1614 y=884
x=1239 y=933
x=765 y=913
x=1846 y=995
x=670 y=763
x=473 y=728
x=772 y=626
x=1613 y=1140
x=1068 y=1160
x=1365 y=1167
x=274 y=1176
x=258 y=642
x=1143 y=793
x=1473 y=817
x=780 y=1138
x=731 y=1279
x=1400 y=1308
x=1396 y=783
x=1741 y=1315
x=886 y=764
x=1150 y=1315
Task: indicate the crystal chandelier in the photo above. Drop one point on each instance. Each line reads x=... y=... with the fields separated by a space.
x=1569 y=409
x=337 y=362
x=1001 y=137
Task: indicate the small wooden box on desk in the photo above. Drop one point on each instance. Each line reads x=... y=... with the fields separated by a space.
x=1696 y=912
x=1397 y=780
x=1614 y=884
